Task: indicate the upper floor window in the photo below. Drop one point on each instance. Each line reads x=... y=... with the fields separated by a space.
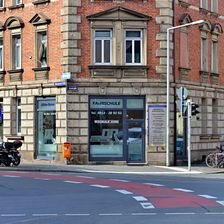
x=1 y=53
x=17 y=2
x=16 y=51
x=41 y=49
x=102 y=46
x=214 y=62
x=204 y=54
x=214 y=5
x=133 y=47
x=1 y=3
x=204 y=4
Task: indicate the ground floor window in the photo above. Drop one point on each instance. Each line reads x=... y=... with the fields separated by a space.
x=46 y=128
x=117 y=128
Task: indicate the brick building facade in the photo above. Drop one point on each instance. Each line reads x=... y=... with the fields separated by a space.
x=93 y=73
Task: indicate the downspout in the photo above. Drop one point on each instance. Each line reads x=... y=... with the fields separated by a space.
x=174 y=88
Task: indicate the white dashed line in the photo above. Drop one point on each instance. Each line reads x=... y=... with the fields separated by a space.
x=72 y=182
x=140 y=198
x=124 y=192
x=180 y=213
x=207 y=196
x=181 y=189
x=100 y=186
x=77 y=214
x=110 y=214
x=143 y=214
x=45 y=214
x=125 y=181
x=41 y=179
x=10 y=176
x=147 y=205
x=87 y=177
x=214 y=213
x=157 y=185
x=220 y=202
x=13 y=215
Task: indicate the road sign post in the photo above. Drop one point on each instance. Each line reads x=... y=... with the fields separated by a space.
x=189 y=133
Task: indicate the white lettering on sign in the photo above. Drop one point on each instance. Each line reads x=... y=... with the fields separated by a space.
x=106 y=122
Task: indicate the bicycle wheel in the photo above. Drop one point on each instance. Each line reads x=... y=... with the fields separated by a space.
x=211 y=160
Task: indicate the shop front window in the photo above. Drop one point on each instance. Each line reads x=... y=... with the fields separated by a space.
x=46 y=126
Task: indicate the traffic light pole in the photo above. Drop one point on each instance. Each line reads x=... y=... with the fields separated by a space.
x=189 y=133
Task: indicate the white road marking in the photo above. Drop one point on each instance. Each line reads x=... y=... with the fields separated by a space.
x=86 y=177
x=54 y=214
x=207 y=196
x=143 y=214
x=10 y=176
x=181 y=189
x=110 y=214
x=72 y=182
x=100 y=186
x=77 y=214
x=125 y=181
x=180 y=213
x=140 y=198
x=41 y=178
x=220 y=202
x=124 y=192
x=214 y=213
x=12 y=215
x=147 y=205
x=157 y=185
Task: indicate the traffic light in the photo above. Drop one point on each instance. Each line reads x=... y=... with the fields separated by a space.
x=194 y=110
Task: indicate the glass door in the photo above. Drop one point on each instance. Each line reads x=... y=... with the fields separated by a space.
x=46 y=130
x=135 y=141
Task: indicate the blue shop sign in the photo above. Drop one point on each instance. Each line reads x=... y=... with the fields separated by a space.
x=46 y=105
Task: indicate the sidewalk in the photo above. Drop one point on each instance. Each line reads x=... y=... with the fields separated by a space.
x=125 y=169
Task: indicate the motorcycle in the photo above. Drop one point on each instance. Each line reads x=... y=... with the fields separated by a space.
x=9 y=153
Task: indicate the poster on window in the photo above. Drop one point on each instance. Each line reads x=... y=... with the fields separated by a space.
x=157 y=125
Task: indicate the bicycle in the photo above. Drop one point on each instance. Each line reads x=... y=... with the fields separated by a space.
x=216 y=159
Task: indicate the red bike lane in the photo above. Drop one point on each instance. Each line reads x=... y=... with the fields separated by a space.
x=159 y=196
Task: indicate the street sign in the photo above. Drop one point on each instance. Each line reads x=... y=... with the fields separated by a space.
x=182 y=93
x=65 y=76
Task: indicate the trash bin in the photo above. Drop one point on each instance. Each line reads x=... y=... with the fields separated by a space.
x=66 y=150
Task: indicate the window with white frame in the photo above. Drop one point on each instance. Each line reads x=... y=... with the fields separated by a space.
x=17 y=2
x=41 y=50
x=214 y=6
x=102 y=46
x=18 y=115
x=16 y=51
x=204 y=4
x=133 y=47
x=1 y=53
x=214 y=63
x=1 y=3
x=204 y=54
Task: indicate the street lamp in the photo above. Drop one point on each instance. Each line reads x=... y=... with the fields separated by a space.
x=168 y=85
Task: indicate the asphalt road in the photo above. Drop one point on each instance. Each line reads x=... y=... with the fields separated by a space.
x=63 y=198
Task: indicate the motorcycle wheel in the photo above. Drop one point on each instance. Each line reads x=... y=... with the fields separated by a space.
x=16 y=162
x=7 y=163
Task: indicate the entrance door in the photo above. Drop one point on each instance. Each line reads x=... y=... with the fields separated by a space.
x=46 y=126
x=135 y=141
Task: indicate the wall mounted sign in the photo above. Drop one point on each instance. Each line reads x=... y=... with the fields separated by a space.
x=157 y=125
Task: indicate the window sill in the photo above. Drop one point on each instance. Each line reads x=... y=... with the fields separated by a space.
x=2 y=72
x=16 y=6
x=15 y=71
x=204 y=11
x=214 y=14
x=37 y=69
x=118 y=71
x=184 y=4
x=2 y=9
x=41 y=73
x=38 y=2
